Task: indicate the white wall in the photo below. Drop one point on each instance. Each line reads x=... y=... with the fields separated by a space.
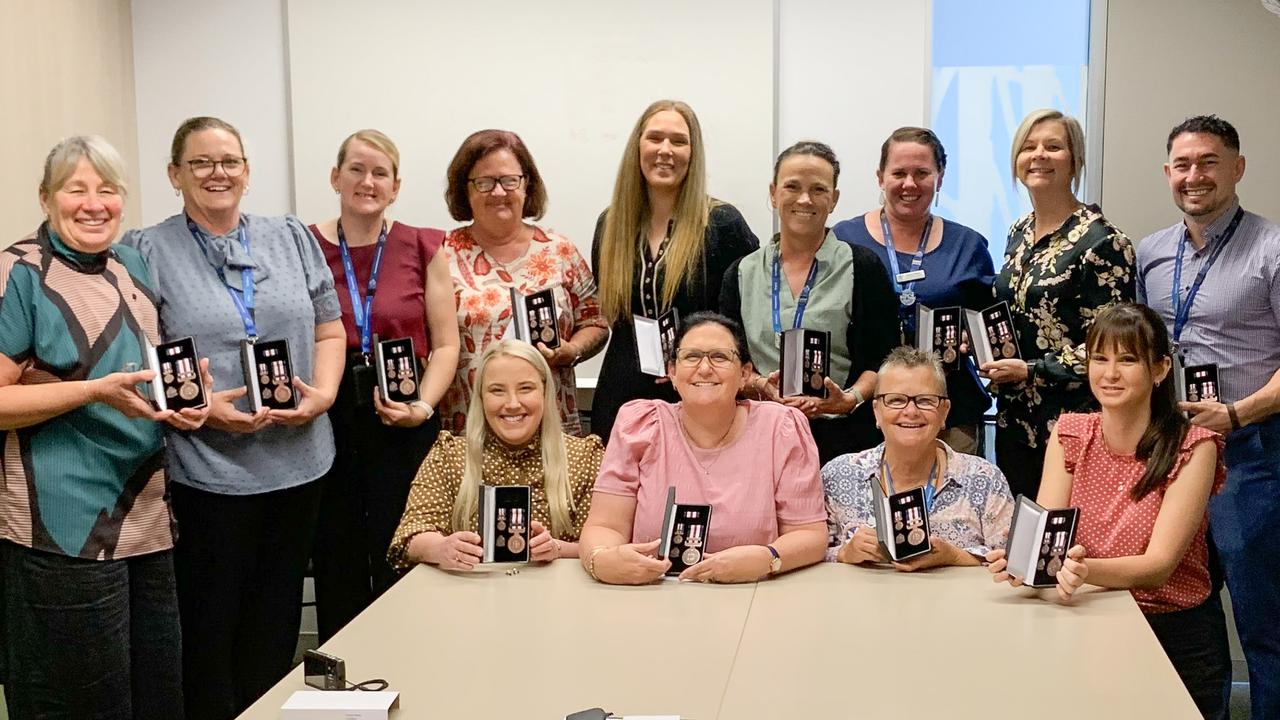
x=226 y=59
x=850 y=73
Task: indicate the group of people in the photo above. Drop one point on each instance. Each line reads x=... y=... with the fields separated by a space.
x=173 y=547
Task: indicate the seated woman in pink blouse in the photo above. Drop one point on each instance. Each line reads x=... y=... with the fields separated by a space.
x=754 y=463
x=1141 y=475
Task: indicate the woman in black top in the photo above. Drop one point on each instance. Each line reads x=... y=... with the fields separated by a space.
x=662 y=244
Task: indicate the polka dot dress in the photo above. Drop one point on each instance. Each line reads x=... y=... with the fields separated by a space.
x=1113 y=525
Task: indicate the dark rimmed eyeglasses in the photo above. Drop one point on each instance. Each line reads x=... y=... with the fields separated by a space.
x=231 y=166
x=720 y=358
x=486 y=183
x=898 y=401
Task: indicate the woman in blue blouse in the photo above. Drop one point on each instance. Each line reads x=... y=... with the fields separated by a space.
x=956 y=264
x=245 y=490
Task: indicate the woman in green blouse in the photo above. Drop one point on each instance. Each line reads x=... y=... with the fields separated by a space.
x=1063 y=264
x=506 y=443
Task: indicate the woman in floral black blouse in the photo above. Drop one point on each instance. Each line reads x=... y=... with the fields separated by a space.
x=1063 y=265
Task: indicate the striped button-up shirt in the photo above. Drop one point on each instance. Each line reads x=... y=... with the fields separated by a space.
x=1235 y=319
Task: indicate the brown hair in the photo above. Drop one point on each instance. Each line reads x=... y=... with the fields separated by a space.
x=376 y=140
x=814 y=148
x=476 y=146
x=194 y=125
x=1134 y=328
x=922 y=136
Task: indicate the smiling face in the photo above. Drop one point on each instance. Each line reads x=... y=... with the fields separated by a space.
x=706 y=384
x=910 y=179
x=1123 y=378
x=1202 y=173
x=910 y=427
x=85 y=212
x=665 y=150
x=502 y=208
x=366 y=181
x=804 y=194
x=218 y=194
x=512 y=393
x=1044 y=160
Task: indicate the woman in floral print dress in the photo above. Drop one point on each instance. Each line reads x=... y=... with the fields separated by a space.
x=1064 y=263
x=494 y=183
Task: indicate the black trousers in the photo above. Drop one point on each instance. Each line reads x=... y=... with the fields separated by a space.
x=91 y=639
x=240 y=562
x=1196 y=642
x=362 y=500
x=1021 y=464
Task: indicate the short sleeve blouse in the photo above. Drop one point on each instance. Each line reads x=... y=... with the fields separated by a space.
x=1113 y=525
x=767 y=477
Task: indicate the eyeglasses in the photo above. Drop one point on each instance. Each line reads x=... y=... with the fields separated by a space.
x=486 y=183
x=232 y=166
x=898 y=401
x=720 y=359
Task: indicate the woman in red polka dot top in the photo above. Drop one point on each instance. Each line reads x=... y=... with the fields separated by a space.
x=1141 y=476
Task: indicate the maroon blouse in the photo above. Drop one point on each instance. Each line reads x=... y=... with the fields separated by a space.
x=398 y=309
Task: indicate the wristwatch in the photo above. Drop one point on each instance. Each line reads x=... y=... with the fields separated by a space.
x=775 y=565
x=426 y=407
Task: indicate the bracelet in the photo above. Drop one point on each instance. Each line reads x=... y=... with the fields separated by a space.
x=1235 y=419
x=426 y=407
x=577 y=354
x=858 y=398
x=591 y=561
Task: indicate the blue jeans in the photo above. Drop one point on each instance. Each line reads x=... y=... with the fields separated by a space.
x=91 y=639
x=1244 y=520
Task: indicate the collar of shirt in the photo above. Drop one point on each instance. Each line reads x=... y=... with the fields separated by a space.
x=1214 y=231
x=530 y=449
x=949 y=476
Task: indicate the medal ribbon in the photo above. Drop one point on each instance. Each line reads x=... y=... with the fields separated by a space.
x=243 y=297
x=801 y=302
x=1182 y=310
x=929 y=491
x=363 y=316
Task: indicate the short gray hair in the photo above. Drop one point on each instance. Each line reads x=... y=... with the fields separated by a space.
x=1075 y=141
x=61 y=163
x=909 y=358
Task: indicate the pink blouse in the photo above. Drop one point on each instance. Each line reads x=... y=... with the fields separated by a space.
x=1113 y=525
x=767 y=477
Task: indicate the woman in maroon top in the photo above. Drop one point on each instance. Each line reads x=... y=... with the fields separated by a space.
x=380 y=442
x=1141 y=476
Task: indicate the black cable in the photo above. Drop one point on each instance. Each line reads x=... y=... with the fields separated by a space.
x=373 y=685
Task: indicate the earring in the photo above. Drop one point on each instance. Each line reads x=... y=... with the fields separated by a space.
x=246 y=191
x=935 y=192
x=336 y=191
x=177 y=192
x=882 y=196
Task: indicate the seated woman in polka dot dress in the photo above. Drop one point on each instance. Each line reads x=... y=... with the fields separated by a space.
x=510 y=440
x=1141 y=475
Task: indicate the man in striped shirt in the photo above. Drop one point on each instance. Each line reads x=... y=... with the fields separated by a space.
x=1214 y=278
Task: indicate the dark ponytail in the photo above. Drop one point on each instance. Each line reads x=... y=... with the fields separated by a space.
x=1137 y=329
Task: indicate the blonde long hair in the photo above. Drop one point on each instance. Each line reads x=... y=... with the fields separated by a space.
x=629 y=208
x=555 y=466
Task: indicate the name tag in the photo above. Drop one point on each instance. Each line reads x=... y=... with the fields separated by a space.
x=912 y=276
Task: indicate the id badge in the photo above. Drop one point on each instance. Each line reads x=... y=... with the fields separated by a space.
x=363 y=380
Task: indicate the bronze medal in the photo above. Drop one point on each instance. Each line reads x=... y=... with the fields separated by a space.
x=170 y=392
x=1009 y=349
x=167 y=378
x=691 y=556
x=1054 y=566
x=915 y=537
x=516 y=544
x=189 y=390
x=407 y=386
x=949 y=355
x=815 y=381
x=502 y=541
x=283 y=393
x=899 y=538
x=547 y=334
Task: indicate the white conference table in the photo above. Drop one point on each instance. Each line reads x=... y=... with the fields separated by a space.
x=829 y=641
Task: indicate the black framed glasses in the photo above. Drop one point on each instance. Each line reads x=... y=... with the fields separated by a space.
x=231 y=166
x=719 y=358
x=486 y=183
x=898 y=401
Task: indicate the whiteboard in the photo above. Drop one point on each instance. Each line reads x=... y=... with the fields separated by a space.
x=569 y=77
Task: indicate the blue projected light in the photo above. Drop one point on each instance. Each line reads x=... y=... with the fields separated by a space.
x=994 y=61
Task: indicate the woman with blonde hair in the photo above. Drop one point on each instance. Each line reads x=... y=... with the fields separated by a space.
x=1063 y=264
x=392 y=283
x=662 y=244
x=511 y=439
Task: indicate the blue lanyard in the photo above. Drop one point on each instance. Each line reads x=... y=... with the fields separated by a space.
x=801 y=302
x=363 y=317
x=929 y=490
x=243 y=297
x=1181 y=310
x=916 y=261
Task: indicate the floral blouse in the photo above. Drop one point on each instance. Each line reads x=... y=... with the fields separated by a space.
x=481 y=290
x=1055 y=287
x=972 y=510
x=434 y=489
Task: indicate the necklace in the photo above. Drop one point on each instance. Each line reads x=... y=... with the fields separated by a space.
x=718 y=445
